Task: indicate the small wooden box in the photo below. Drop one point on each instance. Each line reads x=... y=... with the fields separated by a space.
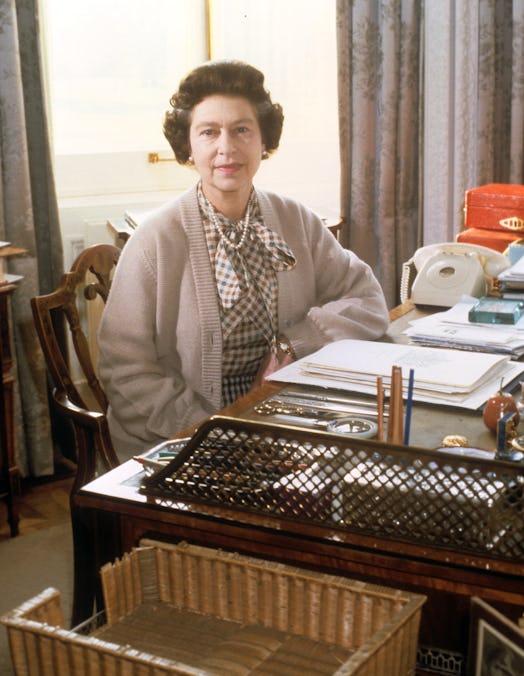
x=496 y=206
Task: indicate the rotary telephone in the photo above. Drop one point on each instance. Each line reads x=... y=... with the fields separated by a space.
x=440 y=274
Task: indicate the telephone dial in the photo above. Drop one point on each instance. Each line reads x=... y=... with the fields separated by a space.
x=439 y=274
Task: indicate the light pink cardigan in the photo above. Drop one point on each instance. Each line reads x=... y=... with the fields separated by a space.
x=160 y=339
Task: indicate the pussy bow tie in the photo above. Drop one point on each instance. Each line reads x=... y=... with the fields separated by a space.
x=237 y=269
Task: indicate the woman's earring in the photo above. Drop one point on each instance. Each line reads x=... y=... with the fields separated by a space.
x=190 y=159
x=265 y=154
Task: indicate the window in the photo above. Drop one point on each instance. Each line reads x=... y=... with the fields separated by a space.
x=113 y=64
x=293 y=42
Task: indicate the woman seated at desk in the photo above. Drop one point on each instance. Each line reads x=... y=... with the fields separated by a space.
x=227 y=283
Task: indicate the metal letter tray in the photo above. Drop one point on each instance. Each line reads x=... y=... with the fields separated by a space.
x=404 y=493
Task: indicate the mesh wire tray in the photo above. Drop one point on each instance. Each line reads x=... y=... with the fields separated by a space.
x=410 y=494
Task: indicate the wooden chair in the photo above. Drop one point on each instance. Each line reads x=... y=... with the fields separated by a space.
x=336 y=226
x=79 y=397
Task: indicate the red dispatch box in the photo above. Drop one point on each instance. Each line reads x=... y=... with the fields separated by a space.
x=496 y=206
x=493 y=239
x=493 y=215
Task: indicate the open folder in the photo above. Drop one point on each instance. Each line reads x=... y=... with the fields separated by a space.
x=441 y=376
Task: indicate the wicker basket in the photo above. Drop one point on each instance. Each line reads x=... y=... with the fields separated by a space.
x=191 y=610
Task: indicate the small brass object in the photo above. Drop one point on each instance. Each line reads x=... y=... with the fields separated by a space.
x=454 y=440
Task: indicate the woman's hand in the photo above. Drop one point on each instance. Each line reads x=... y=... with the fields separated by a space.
x=270 y=363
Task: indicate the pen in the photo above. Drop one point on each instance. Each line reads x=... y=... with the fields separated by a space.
x=362 y=407
x=409 y=404
x=328 y=399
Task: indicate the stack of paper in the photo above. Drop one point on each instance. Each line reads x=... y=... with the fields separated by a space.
x=442 y=376
x=514 y=275
x=452 y=328
x=512 y=281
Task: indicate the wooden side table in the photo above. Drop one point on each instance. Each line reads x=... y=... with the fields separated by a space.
x=9 y=472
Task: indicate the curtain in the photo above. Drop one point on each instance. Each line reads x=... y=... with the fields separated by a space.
x=474 y=102
x=431 y=101
x=28 y=219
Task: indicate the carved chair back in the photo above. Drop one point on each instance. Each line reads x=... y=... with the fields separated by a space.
x=79 y=396
x=61 y=319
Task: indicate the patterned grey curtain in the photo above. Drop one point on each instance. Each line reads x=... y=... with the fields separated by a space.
x=431 y=99
x=28 y=219
x=379 y=59
x=474 y=105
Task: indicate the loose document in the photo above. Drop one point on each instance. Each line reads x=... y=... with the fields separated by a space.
x=513 y=275
x=442 y=376
x=452 y=328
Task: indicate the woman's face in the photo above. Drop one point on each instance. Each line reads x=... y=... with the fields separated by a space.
x=226 y=145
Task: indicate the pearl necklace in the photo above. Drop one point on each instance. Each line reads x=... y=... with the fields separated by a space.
x=223 y=237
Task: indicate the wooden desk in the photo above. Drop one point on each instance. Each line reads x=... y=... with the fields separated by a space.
x=118 y=516
x=121 y=516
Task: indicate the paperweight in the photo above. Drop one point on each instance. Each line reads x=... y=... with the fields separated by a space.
x=496 y=311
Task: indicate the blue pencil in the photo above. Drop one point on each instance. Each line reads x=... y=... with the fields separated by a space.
x=409 y=403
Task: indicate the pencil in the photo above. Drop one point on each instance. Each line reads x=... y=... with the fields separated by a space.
x=395 y=407
x=380 y=409
x=398 y=427
x=392 y=407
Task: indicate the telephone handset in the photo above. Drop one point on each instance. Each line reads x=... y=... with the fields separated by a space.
x=444 y=272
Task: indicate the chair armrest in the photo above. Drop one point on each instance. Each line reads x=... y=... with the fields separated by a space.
x=95 y=452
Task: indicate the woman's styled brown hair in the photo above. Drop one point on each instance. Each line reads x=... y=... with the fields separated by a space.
x=230 y=78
